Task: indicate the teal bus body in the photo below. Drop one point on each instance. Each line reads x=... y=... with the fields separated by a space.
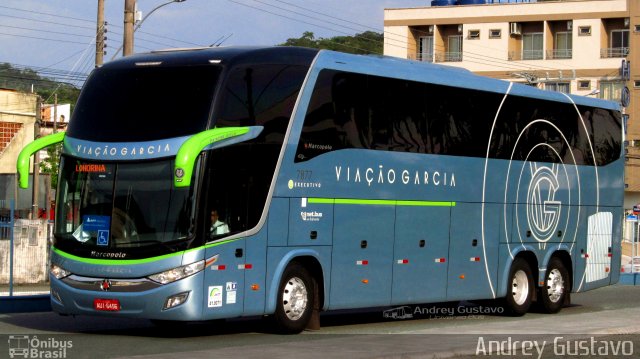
x=372 y=182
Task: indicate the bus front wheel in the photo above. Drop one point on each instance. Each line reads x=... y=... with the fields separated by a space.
x=295 y=300
x=520 y=290
x=552 y=294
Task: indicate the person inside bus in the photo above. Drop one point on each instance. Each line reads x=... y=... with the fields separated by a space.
x=217 y=226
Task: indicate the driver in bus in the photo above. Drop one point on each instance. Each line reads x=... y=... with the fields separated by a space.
x=217 y=226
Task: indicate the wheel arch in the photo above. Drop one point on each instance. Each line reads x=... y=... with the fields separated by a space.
x=529 y=256
x=310 y=260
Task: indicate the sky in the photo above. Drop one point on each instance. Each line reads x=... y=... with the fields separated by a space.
x=60 y=34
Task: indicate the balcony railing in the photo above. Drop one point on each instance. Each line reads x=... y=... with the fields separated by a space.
x=559 y=54
x=526 y=55
x=426 y=57
x=614 y=52
x=448 y=57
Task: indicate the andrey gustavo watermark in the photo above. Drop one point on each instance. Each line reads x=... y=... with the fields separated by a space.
x=442 y=312
x=558 y=346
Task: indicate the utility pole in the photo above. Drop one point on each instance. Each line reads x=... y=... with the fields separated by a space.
x=36 y=162
x=129 y=19
x=100 y=30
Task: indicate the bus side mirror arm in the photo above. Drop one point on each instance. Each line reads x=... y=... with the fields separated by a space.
x=26 y=153
x=191 y=148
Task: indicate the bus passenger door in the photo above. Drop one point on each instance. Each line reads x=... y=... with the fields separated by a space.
x=473 y=254
x=224 y=280
x=362 y=254
x=420 y=252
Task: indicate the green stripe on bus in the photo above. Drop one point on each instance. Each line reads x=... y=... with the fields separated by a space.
x=381 y=202
x=191 y=148
x=112 y=262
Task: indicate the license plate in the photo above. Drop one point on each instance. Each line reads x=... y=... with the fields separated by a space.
x=111 y=305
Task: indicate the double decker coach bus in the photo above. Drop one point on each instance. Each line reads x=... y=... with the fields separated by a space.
x=340 y=181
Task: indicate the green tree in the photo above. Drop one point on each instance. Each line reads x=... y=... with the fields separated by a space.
x=368 y=42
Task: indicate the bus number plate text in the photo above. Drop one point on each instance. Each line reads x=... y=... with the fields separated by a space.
x=112 y=305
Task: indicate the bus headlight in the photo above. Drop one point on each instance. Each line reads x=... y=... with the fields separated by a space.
x=178 y=273
x=59 y=272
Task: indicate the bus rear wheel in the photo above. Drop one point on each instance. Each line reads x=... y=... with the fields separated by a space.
x=554 y=291
x=520 y=290
x=295 y=300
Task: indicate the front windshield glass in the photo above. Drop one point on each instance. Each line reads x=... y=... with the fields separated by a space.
x=109 y=206
x=154 y=102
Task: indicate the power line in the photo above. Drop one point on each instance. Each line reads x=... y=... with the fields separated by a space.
x=44 y=13
x=47 y=31
x=43 y=38
x=47 y=22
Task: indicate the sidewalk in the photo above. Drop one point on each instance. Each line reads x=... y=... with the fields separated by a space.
x=25 y=289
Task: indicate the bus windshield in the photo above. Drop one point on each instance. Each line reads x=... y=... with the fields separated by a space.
x=109 y=206
x=144 y=103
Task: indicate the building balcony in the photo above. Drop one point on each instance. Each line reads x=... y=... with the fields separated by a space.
x=448 y=57
x=556 y=54
x=614 y=52
x=425 y=57
x=526 y=55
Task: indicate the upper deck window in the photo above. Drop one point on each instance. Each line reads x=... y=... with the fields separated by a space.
x=144 y=103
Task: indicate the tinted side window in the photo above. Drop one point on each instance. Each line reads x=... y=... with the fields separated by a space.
x=554 y=132
x=238 y=176
x=605 y=128
x=359 y=111
x=260 y=95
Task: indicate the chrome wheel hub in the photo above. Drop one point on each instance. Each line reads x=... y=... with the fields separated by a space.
x=295 y=298
x=520 y=287
x=555 y=285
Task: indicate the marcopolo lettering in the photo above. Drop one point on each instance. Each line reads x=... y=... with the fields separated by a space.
x=108 y=255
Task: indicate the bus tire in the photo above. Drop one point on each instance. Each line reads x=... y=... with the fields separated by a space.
x=295 y=300
x=554 y=291
x=520 y=288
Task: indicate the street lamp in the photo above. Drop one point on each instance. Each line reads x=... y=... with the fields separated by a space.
x=128 y=35
x=152 y=11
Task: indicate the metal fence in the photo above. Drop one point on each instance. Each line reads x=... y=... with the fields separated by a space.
x=24 y=253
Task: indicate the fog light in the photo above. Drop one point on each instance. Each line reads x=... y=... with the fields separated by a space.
x=175 y=300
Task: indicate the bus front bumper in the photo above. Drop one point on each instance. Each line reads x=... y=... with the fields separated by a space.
x=180 y=300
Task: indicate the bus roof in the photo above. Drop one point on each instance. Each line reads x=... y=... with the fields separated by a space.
x=367 y=64
x=222 y=55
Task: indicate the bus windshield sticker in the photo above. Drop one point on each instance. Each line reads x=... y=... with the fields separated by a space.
x=94 y=226
x=80 y=235
x=103 y=238
x=93 y=223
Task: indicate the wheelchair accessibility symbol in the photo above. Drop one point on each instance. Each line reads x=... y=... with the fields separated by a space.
x=103 y=238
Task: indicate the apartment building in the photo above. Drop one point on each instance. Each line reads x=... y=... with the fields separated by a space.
x=583 y=47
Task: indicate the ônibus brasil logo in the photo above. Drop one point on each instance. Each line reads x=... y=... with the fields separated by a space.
x=25 y=346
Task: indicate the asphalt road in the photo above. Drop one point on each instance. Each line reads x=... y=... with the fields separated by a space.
x=604 y=323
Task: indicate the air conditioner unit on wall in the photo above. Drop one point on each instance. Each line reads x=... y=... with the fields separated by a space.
x=515 y=28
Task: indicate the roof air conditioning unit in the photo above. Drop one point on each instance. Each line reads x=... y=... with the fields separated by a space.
x=515 y=28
